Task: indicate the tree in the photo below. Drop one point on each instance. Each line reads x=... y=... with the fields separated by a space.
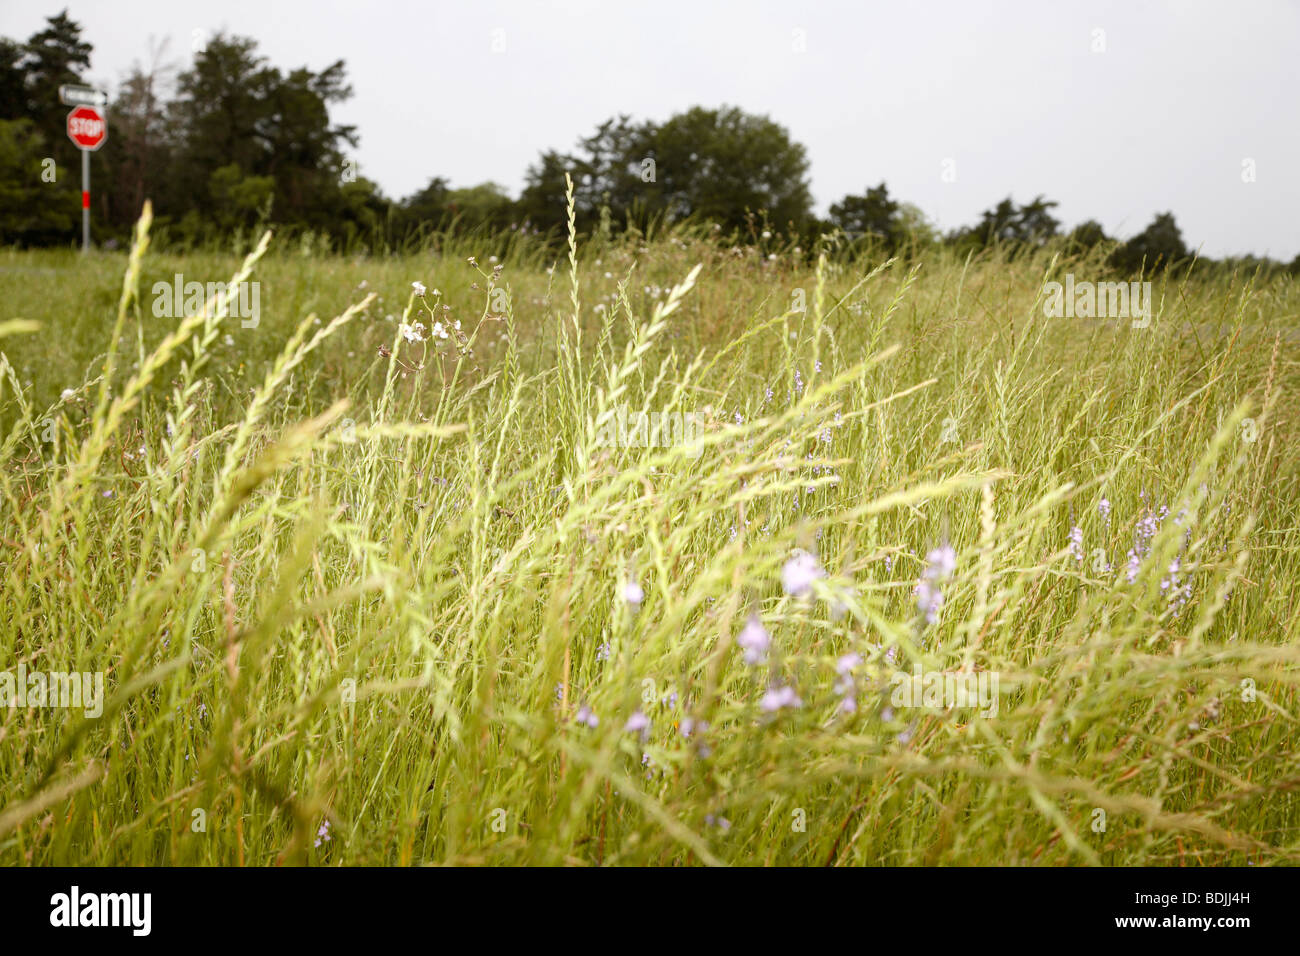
x=607 y=173
x=542 y=203
x=1156 y=247
x=914 y=227
x=306 y=155
x=33 y=209
x=242 y=200
x=139 y=164
x=1086 y=235
x=13 y=82
x=1031 y=224
x=488 y=205
x=871 y=214
x=54 y=57
x=234 y=109
x=720 y=165
x=427 y=208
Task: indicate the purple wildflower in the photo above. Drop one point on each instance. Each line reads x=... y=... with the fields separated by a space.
x=799 y=573
x=940 y=563
x=929 y=599
x=637 y=723
x=779 y=697
x=754 y=640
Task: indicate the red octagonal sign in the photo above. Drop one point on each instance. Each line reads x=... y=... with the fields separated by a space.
x=87 y=127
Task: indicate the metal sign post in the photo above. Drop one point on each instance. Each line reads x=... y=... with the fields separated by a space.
x=85 y=201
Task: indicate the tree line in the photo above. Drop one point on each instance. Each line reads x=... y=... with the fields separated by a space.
x=234 y=143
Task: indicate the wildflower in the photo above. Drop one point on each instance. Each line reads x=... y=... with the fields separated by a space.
x=844 y=684
x=439 y=332
x=689 y=725
x=603 y=652
x=67 y=395
x=633 y=594
x=1142 y=535
x=847 y=663
x=1103 y=509
x=755 y=640
x=1076 y=543
x=418 y=287
x=799 y=573
x=412 y=333
x=637 y=723
x=929 y=599
x=941 y=562
x=323 y=833
x=585 y=715
x=779 y=697
x=722 y=823
x=1176 y=592
x=939 y=565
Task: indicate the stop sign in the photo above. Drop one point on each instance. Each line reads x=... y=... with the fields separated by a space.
x=87 y=128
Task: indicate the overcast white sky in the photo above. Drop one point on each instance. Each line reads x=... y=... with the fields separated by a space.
x=1013 y=92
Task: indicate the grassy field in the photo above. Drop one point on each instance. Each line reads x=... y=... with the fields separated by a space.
x=359 y=598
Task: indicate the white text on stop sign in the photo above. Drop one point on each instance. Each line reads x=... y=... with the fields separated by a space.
x=91 y=128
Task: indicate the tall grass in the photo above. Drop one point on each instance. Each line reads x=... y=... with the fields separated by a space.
x=364 y=600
